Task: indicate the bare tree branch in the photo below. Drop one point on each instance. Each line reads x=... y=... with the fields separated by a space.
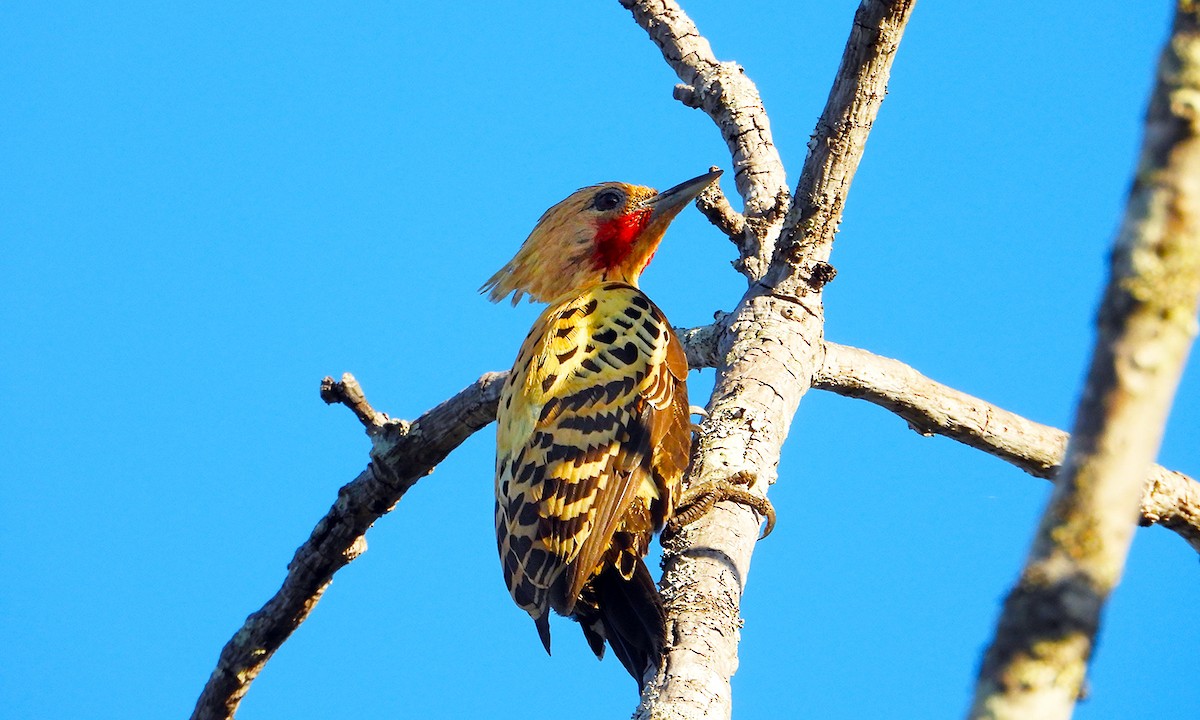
x=1169 y=498
x=1036 y=663
x=401 y=455
x=729 y=97
x=839 y=139
x=765 y=359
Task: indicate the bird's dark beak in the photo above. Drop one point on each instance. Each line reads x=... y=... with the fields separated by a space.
x=667 y=204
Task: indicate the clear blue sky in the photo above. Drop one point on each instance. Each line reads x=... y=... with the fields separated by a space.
x=205 y=208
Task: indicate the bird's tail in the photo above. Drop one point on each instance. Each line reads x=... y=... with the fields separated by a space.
x=627 y=611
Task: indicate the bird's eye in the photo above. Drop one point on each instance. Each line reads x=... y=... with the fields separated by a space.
x=608 y=199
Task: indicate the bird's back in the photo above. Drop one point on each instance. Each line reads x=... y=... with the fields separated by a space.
x=593 y=438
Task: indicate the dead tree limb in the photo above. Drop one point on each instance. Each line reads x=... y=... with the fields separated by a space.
x=716 y=207
x=1035 y=665
x=402 y=453
x=1169 y=498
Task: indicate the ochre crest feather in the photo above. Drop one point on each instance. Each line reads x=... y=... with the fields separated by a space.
x=593 y=431
x=563 y=252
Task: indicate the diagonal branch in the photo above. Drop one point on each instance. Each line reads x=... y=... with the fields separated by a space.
x=1169 y=498
x=1035 y=665
x=838 y=142
x=402 y=454
x=728 y=96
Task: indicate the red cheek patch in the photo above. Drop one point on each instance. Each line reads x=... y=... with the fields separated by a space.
x=614 y=238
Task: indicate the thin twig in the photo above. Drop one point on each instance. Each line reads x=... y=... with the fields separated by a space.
x=715 y=206
x=348 y=392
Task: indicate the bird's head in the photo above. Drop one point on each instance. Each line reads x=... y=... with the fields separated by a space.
x=603 y=232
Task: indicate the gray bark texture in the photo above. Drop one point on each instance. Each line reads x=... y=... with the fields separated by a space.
x=724 y=92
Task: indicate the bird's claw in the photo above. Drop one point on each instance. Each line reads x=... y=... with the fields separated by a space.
x=699 y=500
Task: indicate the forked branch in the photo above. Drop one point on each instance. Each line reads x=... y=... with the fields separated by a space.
x=767 y=354
x=1170 y=499
x=790 y=300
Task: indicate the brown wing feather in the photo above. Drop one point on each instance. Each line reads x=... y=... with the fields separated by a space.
x=626 y=477
x=672 y=431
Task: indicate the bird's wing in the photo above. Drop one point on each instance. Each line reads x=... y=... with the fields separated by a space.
x=597 y=387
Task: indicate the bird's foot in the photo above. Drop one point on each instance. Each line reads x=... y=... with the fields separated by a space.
x=699 y=500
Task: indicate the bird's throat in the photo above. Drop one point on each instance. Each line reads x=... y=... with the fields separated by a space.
x=616 y=240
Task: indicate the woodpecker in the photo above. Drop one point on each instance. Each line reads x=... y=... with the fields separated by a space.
x=593 y=426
